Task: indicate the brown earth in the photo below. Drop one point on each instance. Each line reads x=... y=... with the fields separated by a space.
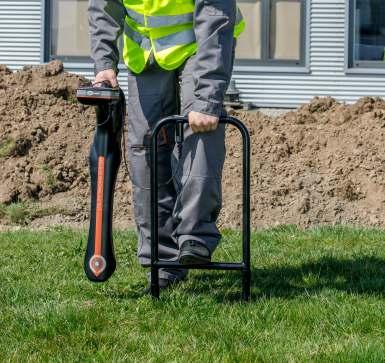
x=321 y=164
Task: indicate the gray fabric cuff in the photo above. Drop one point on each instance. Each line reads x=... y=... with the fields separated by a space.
x=208 y=108
x=104 y=65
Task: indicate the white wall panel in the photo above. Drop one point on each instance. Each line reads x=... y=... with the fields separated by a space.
x=20 y=32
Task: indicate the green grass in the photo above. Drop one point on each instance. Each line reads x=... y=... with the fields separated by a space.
x=317 y=296
x=7 y=146
x=50 y=178
x=16 y=213
x=22 y=213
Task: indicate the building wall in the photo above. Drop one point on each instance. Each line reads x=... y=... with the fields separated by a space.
x=20 y=32
x=21 y=43
x=326 y=75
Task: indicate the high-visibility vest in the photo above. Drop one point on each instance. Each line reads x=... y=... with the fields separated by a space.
x=164 y=27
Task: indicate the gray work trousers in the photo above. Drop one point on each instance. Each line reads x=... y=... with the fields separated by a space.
x=189 y=187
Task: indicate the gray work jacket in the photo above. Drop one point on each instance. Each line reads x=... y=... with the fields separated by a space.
x=214 y=22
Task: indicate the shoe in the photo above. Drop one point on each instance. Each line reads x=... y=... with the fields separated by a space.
x=194 y=253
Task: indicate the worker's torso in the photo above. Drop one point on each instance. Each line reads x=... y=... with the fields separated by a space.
x=162 y=28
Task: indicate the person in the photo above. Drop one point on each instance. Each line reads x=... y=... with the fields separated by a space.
x=179 y=55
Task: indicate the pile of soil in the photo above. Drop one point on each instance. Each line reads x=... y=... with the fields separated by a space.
x=45 y=136
x=323 y=163
x=320 y=164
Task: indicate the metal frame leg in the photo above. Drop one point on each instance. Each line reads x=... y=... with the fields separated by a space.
x=155 y=262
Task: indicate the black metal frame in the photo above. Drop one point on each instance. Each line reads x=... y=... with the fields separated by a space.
x=156 y=264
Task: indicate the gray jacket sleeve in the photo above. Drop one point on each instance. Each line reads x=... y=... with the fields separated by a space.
x=214 y=23
x=106 y=20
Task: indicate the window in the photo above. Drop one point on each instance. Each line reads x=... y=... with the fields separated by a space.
x=67 y=32
x=275 y=33
x=367 y=33
x=67 y=35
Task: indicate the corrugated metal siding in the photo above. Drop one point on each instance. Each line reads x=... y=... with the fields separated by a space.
x=327 y=67
x=20 y=44
x=20 y=32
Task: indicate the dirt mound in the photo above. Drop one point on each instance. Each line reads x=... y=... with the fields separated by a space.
x=323 y=163
x=44 y=141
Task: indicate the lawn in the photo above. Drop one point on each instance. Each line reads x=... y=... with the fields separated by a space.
x=318 y=295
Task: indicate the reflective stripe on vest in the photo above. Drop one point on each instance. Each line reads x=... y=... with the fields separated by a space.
x=180 y=38
x=162 y=43
x=141 y=40
x=239 y=17
x=168 y=41
x=160 y=20
x=168 y=20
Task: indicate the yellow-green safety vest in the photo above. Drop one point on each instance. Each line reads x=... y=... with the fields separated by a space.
x=164 y=27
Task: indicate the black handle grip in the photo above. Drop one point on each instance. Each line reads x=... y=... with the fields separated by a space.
x=104 y=160
x=99 y=262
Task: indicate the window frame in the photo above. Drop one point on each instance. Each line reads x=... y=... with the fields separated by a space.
x=265 y=61
x=352 y=64
x=47 y=39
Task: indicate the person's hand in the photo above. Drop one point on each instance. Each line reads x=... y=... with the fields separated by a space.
x=200 y=122
x=107 y=75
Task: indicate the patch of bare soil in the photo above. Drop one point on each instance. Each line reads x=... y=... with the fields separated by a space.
x=320 y=164
x=45 y=136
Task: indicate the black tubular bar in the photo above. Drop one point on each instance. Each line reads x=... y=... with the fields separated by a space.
x=208 y=266
x=155 y=262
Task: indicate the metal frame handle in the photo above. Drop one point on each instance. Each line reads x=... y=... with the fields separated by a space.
x=156 y=264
